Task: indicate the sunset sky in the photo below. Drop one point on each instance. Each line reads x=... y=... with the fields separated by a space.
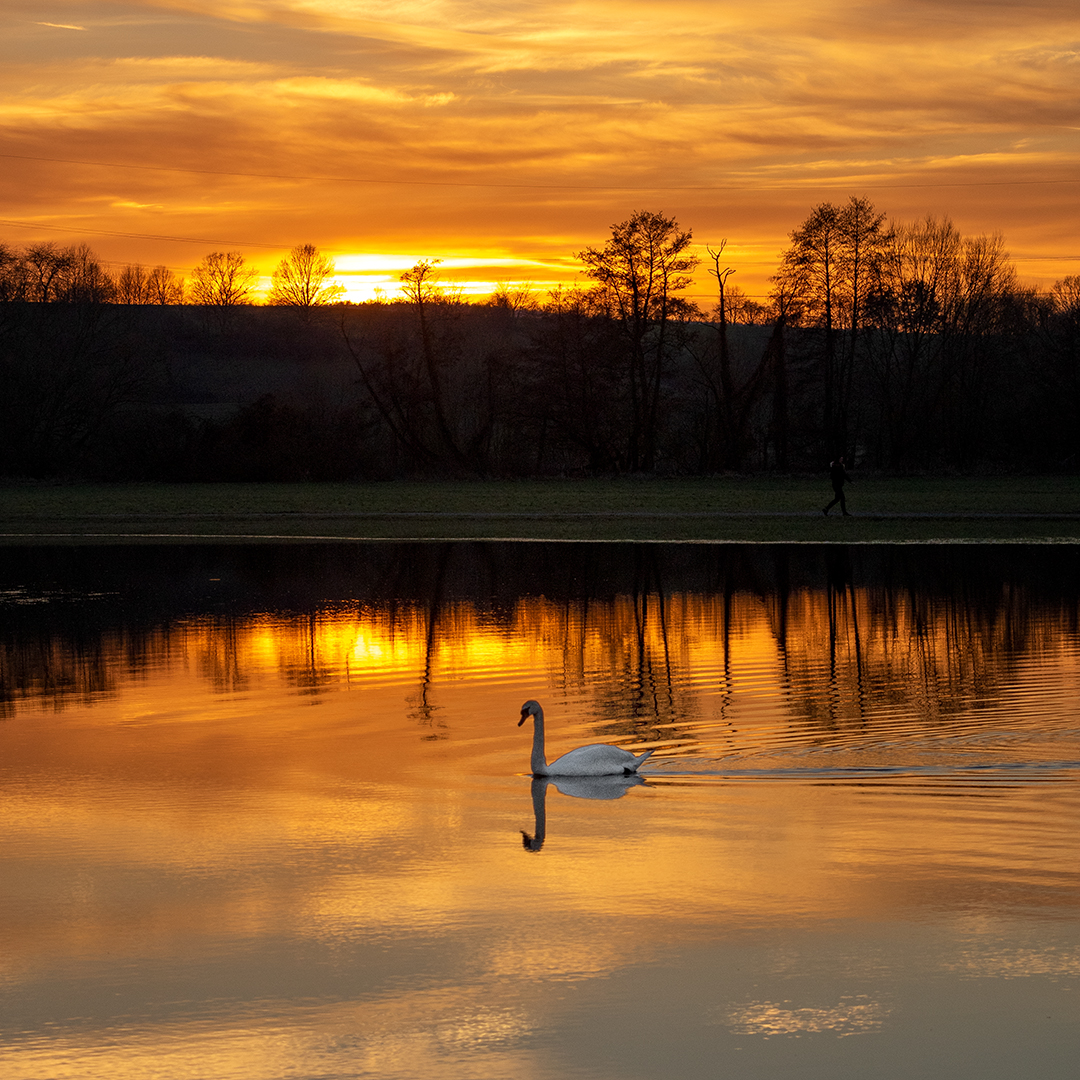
x=502 y=137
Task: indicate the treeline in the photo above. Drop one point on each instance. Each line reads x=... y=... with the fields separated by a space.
x=905 y=346
x=49 y=273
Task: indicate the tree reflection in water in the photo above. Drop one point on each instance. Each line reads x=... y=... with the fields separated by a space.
x=646 y=636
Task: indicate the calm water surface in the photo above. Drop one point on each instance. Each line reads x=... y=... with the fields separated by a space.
x=265 y=812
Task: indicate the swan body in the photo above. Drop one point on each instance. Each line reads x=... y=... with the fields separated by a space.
x=599 y=759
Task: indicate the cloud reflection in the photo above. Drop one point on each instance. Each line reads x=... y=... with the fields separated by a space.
x=851 y=1016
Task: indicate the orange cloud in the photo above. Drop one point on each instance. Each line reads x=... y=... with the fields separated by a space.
x=452 y=129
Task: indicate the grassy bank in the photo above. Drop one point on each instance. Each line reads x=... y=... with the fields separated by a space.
x=741 y=509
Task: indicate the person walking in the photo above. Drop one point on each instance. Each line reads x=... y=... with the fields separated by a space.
x=838 y=477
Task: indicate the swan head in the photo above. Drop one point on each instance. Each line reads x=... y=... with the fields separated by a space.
x=530 y=708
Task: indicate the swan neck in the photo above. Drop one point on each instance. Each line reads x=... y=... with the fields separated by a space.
x=539 y=761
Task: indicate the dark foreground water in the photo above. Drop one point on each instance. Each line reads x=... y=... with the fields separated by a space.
x=264 y=812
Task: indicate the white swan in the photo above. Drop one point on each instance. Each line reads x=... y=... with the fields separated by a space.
x=596 y=760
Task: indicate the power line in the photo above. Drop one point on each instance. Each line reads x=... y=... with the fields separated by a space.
x=758 y=185
x=1044 y=258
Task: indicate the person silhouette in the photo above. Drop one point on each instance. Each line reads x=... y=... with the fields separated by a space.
x=838 y=477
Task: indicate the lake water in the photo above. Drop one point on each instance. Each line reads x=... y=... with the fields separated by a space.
x=265 y=812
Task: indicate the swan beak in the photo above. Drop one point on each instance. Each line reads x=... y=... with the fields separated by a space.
x=524 y=717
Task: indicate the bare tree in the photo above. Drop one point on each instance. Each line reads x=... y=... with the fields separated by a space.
x=830 y=268
x=304 y=280
x=578 y=387
x=137 y=285
x=13 y=274
x=944 y=310
x=44 y=273
x=421 y=288
x=732 y=398
x=514 y=298
x=743 y=310
x=1065 y=297
x=438 y=373
x=638 y=274
x=721 y=275
x=420 y=283
x=1057 y=369
x=88 y=282
x=785 y=308
x=46 y=267
x=222 y=280
x=131 y=285
x=164 y=287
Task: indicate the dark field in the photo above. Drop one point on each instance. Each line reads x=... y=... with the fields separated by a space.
x=787 y=509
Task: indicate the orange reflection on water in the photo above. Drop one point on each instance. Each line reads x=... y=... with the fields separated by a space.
x=242 y=840
x=653 y=668
x=214 y=706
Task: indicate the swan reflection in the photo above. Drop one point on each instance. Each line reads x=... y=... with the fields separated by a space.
x=577 y=787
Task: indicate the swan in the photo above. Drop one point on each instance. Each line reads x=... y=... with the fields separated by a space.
x=596 y=760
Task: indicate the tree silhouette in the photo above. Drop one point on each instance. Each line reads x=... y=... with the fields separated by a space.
x=829 y=269
x=222 y=280
x=1057 y=370
x=732 y=398
x=943 y=310
x=304 y=280
x=436 y=376
x=131 y=285
x=88 y=282
x=14 y=282
x=638 y=273
x=164 y=287
x=47 y=267
x=421 y=289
